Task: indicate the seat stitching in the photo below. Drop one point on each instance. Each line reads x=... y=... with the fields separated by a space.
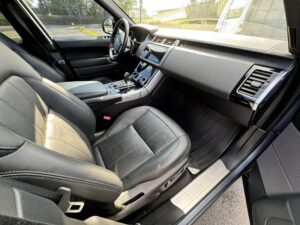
x=122 y=157
x=60 y=93
x=40 y=174
x=67 y=143
x=153 y=136
x=98 y=142
x=62 y=126
x=142 y=139
x=97 y=151
x=6 y=147
x=59 y=154
x=68 y=157
x=30 y=173
x=11 y=148
x=22 y=93
x=166 y=145
x=67 y=97
x=46 y=126
x=120 y=118
x=163 y=122
x=118 y=143
x=155 y=156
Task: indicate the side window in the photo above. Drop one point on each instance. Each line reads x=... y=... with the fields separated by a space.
x=8 y=30
x=70 y=18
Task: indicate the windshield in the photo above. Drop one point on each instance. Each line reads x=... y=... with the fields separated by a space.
x=259 y=18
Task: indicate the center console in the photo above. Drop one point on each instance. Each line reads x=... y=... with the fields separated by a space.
x=109 y=100
x=138 y=79
x=133 y=87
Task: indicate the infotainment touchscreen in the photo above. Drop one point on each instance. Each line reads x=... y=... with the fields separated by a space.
x=154 y=53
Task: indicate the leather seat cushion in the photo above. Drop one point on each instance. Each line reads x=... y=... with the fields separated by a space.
x=141 y=145
x=64 y=137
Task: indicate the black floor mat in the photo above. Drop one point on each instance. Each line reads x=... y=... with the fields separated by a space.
x=210 y=132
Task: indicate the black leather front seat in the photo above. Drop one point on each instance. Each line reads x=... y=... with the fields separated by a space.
x=53 y=74
x=47 y=139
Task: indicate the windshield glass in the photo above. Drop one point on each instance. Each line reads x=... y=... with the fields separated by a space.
x=259 y=18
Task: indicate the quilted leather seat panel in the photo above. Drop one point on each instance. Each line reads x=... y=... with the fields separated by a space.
x=141 y=145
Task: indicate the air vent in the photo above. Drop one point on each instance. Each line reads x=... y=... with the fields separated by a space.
x=183 y=44
x=158 y=39
x=150 y=37
x=259 y=86
x=169 y=42
x=254 y=82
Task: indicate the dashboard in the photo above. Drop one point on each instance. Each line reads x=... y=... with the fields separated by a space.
x=237 y=81
x=139 y=33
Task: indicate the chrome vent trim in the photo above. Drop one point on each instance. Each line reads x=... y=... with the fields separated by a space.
x=254 y=82
x=158 y=39
x=169 y=42
x=165 y=41
x=260 y=81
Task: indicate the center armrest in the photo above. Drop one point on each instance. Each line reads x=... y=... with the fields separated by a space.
x=85 y=89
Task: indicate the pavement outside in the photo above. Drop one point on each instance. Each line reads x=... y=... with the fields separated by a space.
x=229 y=209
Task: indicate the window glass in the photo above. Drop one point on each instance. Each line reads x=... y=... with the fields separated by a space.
x=70 y=18
x=8 y=30
x=259 y=18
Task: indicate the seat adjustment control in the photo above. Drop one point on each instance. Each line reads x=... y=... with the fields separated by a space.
x=65 y=203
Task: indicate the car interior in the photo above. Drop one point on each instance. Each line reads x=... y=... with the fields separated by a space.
x=145 y=125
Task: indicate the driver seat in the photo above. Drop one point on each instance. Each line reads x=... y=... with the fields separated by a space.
x=52 y=73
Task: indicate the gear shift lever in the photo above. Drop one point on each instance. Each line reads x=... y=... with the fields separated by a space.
x=126 y=77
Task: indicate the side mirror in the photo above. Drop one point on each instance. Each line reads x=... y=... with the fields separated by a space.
x=108 y=25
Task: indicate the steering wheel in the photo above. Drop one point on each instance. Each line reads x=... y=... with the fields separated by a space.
x=119 y=39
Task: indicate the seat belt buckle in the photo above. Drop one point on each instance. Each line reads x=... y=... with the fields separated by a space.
x=65 y=203
x=60 y=62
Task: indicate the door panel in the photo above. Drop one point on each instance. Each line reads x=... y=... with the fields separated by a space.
x=89 y=57
x=79 y=63
x=107 y=70
x=273 y=184
x=78 y=35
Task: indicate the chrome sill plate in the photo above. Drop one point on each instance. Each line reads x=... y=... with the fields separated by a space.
x=193 y=193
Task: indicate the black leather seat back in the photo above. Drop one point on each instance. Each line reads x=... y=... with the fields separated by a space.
x=40 y=66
